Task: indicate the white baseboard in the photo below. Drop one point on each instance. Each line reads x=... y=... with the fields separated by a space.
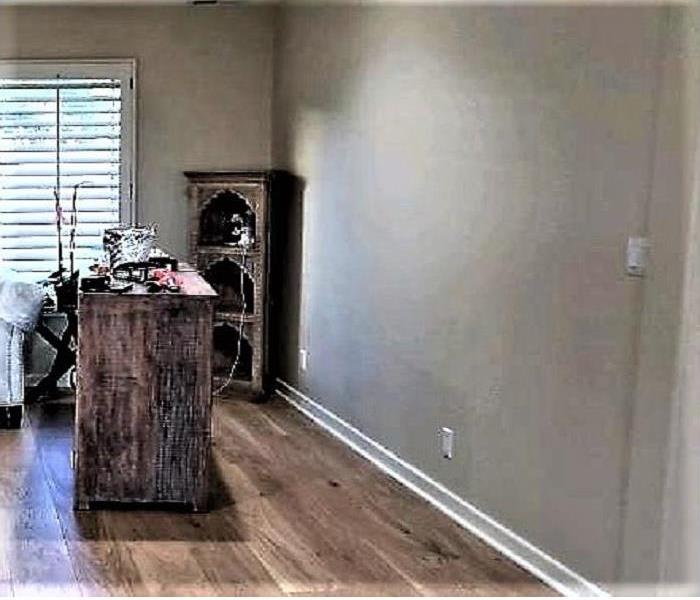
x=519 y=550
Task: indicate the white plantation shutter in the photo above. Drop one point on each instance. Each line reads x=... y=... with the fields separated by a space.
x=55 y=132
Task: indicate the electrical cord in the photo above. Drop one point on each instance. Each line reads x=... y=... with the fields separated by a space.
x=244 y=307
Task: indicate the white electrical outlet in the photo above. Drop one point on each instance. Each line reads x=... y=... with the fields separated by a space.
x=637 y=256
x=447 y=442
x=303 y=359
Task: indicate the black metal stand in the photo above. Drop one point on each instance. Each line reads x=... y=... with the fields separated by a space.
x=64 y=360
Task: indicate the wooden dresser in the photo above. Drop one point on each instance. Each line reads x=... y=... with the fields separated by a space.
x=143 y=404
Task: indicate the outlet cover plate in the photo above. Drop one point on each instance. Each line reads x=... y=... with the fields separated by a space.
x=447 y=442
x=637 y=256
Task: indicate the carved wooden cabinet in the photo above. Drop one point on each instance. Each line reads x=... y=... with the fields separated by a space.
x=229 y=239
x=143 y=403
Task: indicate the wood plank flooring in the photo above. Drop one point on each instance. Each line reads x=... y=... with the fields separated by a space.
x=293 y=512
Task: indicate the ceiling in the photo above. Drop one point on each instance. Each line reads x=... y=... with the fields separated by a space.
x=115 y=2
x=208 y=3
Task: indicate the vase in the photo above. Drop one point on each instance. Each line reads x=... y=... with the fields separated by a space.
x=128 y=244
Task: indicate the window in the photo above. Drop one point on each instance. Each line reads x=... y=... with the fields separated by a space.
x=63 y=124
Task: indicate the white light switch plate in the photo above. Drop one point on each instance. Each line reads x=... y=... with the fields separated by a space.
x=637 y=256
x=447 y=442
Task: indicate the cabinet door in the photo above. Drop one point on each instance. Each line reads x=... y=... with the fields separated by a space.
x=115 y=430
x=181 y=401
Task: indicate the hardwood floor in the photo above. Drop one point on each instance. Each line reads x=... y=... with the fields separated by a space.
x=293 y=512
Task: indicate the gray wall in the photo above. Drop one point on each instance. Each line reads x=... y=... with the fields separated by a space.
x=472 y=175
x=204 y=97
x=680 y=555
x=660 y=363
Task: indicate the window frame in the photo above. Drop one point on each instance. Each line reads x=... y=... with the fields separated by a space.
x=123 y=69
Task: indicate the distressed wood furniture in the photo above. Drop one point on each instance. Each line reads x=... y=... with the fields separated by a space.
x=143 y=404
x=237 y=268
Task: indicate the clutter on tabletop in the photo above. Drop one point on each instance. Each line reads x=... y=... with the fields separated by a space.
x=131 y=261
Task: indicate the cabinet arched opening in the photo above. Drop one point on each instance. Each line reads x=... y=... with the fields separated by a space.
x=226 y=337
x=225 y=277
x=227 y=220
